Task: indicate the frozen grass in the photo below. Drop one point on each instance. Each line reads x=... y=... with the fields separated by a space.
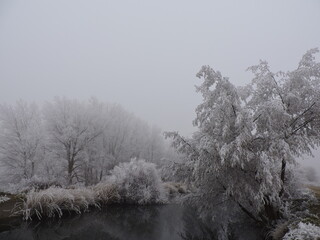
x=53 y=201
x=106 y=193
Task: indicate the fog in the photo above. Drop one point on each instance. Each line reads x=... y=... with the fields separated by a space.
x=144 y=54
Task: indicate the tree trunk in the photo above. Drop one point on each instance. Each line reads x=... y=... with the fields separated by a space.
x=283 y=172
x=32 y=169
x=270 y=212
x=25 y=172
x=101 y=174
x=70 y=160
x=70 y=171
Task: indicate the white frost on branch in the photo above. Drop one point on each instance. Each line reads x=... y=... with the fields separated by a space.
x=305 y=231
x=249 y=137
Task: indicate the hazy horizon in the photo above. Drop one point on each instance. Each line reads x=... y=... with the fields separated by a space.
x=145 y=55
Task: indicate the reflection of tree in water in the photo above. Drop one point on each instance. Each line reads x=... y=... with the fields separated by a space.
x=241 y=228
x=138 y=222
x=127 y=222
x=195 y=228
x=69 y=228
x=116 y=222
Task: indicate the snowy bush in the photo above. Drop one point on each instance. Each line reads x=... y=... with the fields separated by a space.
x=138 y=182
x=305 y=231
x=4 y=199
x=40 y=183
x=26 y=185
x=175 y=187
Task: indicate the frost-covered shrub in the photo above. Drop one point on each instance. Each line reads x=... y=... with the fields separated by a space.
x=305 y=231
x=138 y=182
x=174 y=187
x=4 y=199
x=52 y=202
x=39 y=183
x=35 y=183
x=106 y=193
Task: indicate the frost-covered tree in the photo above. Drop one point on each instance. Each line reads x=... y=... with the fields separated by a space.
x=72 y=141
x=71 y=126
x=248 y=136
x=90 y=138
x=126 y=136
x=117 y=134
x=20 y=135
x=155 y=144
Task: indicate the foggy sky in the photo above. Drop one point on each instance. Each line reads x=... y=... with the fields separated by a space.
x=145 y=54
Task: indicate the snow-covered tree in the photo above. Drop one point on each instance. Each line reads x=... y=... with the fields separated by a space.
x=71 y=126
x=155 y=145
x=72 y=141
x=20 y=136
x=248 y=136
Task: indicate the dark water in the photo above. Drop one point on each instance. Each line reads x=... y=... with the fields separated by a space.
x=167 y=222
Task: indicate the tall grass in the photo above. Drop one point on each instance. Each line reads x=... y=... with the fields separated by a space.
x=106 y=193
x=53 y=201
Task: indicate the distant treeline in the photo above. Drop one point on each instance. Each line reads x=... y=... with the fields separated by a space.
x=72 y=141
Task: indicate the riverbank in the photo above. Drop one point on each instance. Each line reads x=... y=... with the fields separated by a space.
x=305 y=221
x=315 y=207
x=54 y=201
x=9 y=221
x=7 y=205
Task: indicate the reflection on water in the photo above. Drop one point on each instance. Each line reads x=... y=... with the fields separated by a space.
x=167 y=222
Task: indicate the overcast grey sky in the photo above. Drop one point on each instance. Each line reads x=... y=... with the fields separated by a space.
x=145 y=54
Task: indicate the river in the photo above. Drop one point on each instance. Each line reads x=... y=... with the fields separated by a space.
x=165 y=222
